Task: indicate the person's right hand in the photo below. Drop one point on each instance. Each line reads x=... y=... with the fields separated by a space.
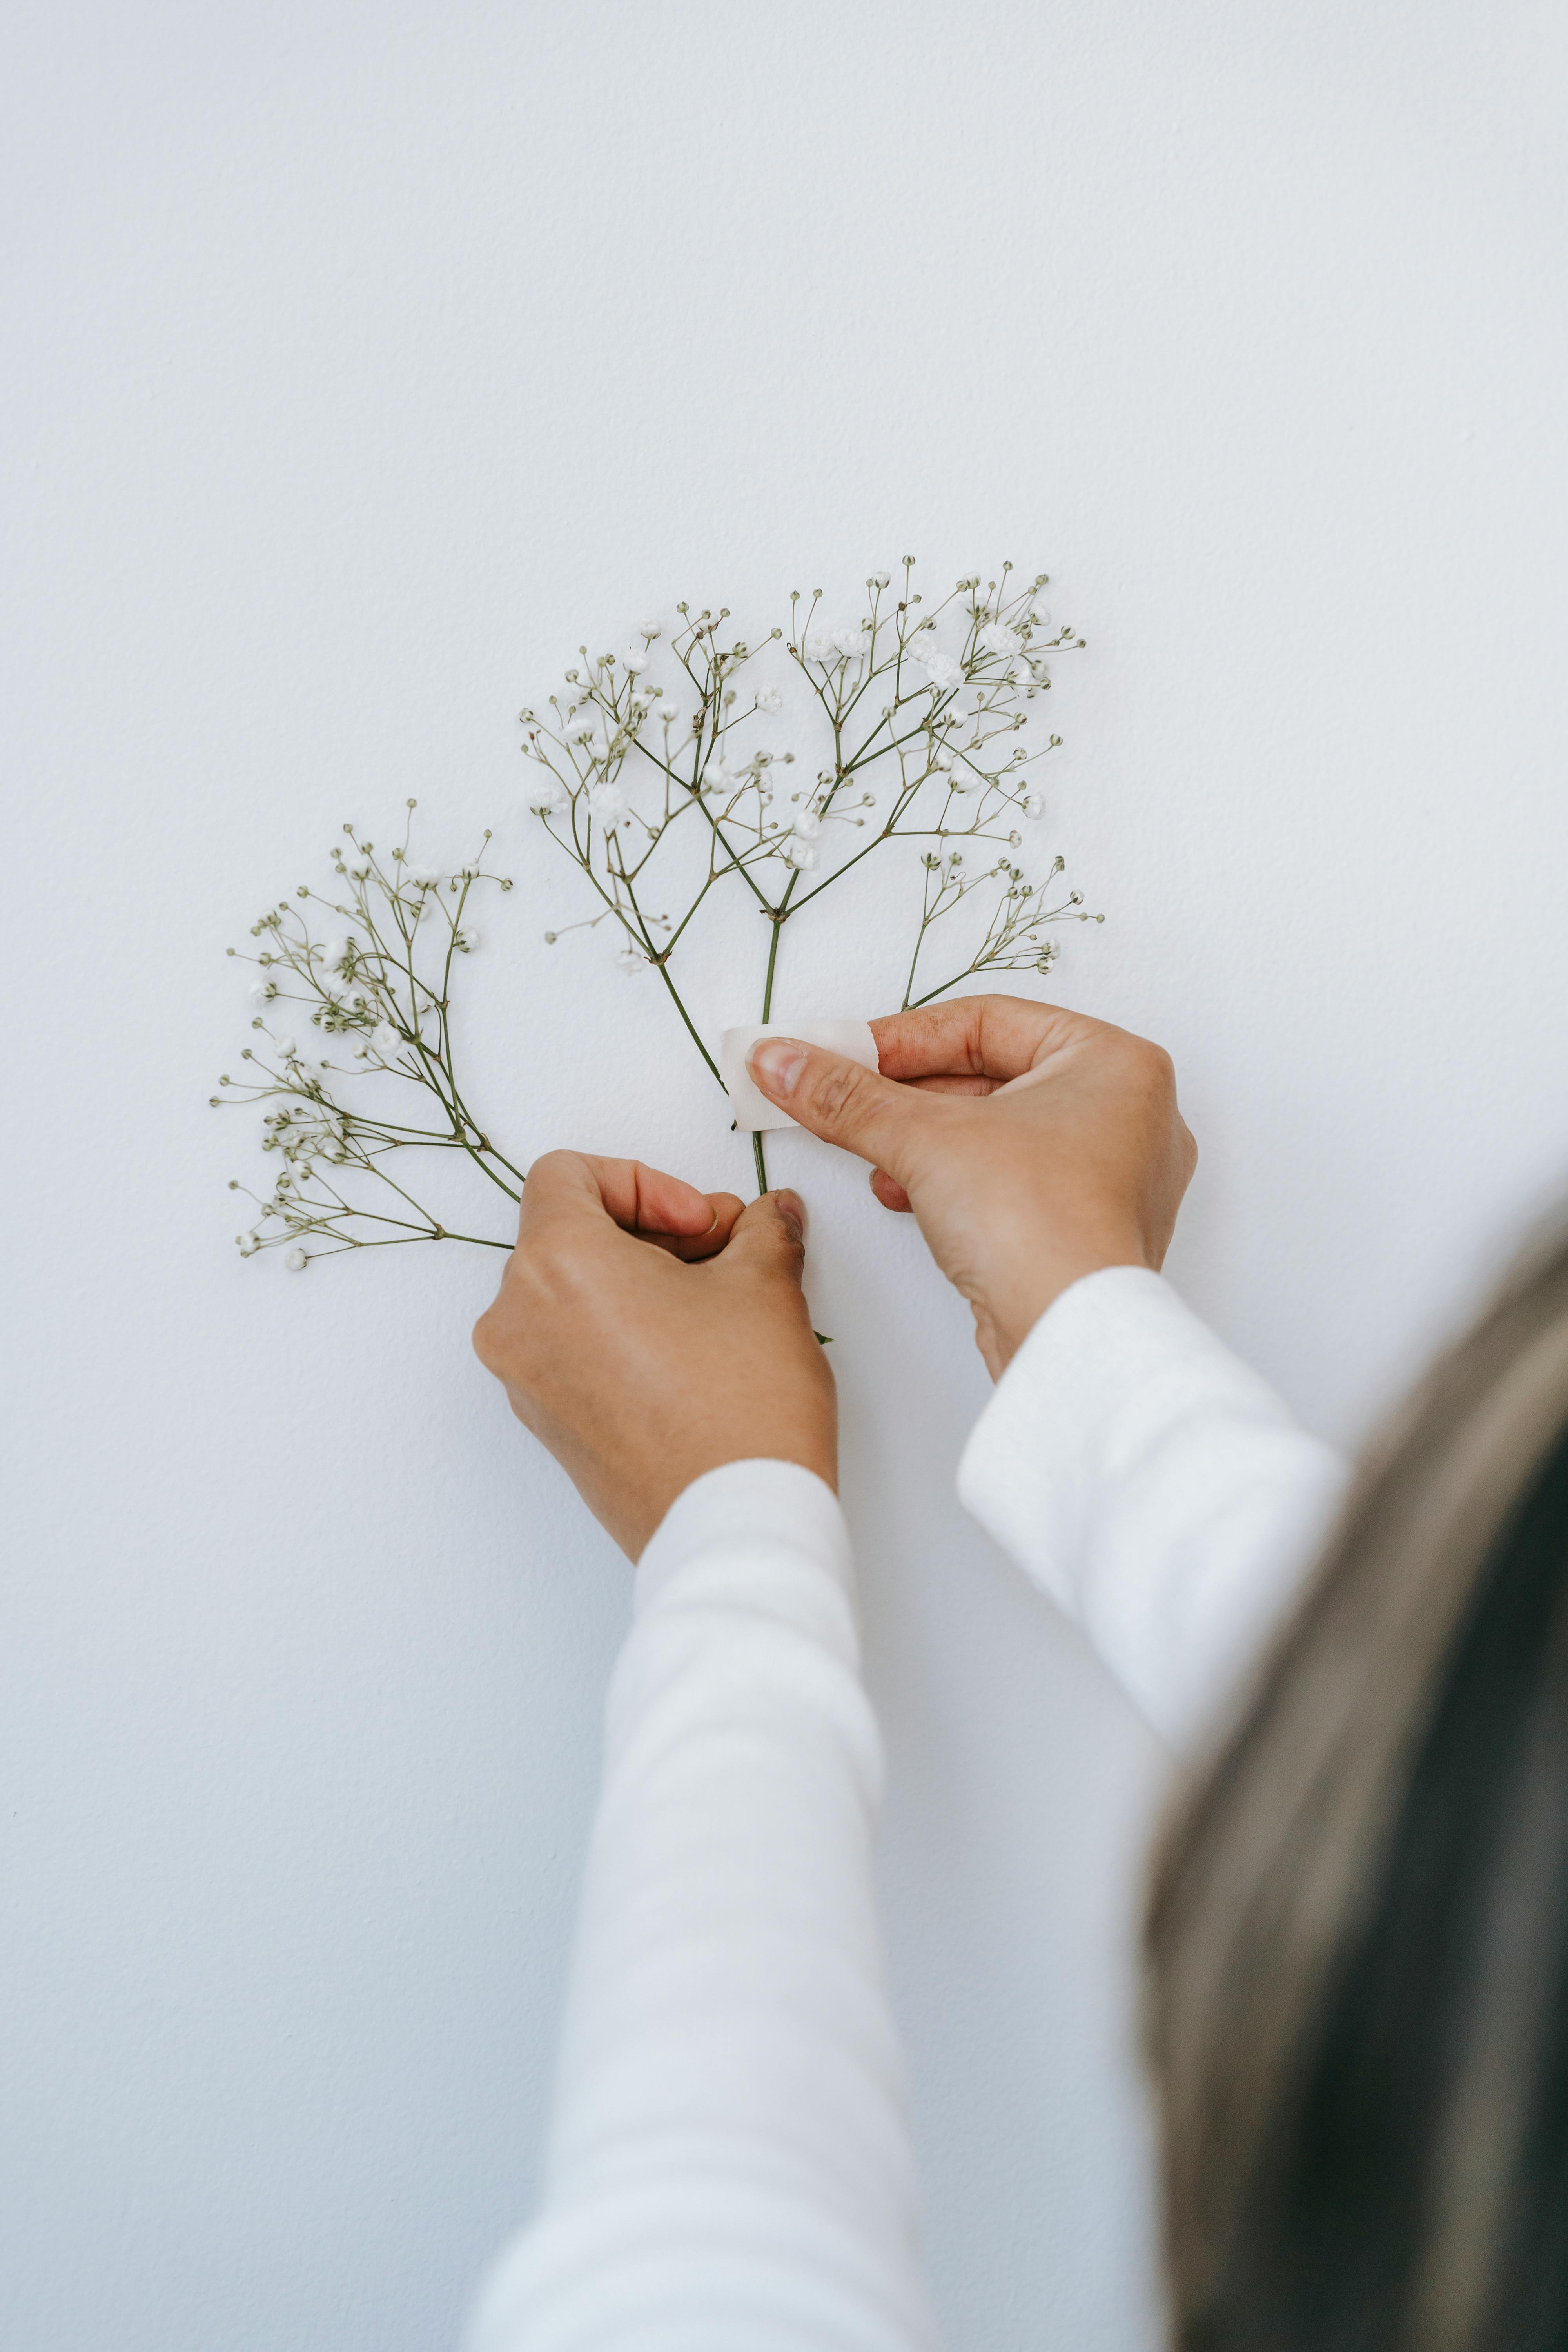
x=1033 y=1145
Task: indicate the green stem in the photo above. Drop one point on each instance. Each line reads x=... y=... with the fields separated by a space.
x=758 y=1154
x=675 y=997
x=913 y=1003
x=920 y=942
x=773 y=965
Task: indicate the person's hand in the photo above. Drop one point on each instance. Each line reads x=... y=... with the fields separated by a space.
x=648 y=1332
x=1033 y=1145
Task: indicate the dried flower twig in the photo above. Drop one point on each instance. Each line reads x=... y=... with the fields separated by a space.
x=631 y=765
x=375 y=992
x=909 y=724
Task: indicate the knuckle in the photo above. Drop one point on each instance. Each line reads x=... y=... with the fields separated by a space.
x=487 y=1340
x=552 y=1269
x=789 y=1246
x=1149 y=1069
x=550 y=1163
x=500 y=1342
x=841 y=1093
x=540 y=1292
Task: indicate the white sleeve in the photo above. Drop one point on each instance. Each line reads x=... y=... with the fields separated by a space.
x=1155 y=1487
x=729 y=2165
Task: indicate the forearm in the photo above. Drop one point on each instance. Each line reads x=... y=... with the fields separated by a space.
x=728 y=2157
x=1155 y=1485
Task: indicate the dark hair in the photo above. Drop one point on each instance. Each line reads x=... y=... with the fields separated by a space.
x=1358 y=1924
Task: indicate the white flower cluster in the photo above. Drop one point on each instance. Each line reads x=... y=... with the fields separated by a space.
x=369 y=999
x=663 y=762
x=689 y=761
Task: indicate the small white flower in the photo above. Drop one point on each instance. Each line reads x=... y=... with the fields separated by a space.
x=548 y=797
x=262 y=992
x=770 y=699
x=286 y=1046
x=670 y=713
x=878 y=579
x=296 y=1261
x=807 y=824
x=943 y=759
x=801 y=855
x=428 y=878
x=650 y=628
x=610 y=805
x=466 y=938
x=334 y=955
x=635 y=663
x=998 y=638
x=630 y=961
x=386 y=1039
x=966 y=780
x=1035 y=806
x=943 y=672
x=721 y=778
x=1040 y=617
x=820 y=646
x=852 y=643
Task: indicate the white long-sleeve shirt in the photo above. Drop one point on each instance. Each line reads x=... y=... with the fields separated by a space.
x=729 y=2165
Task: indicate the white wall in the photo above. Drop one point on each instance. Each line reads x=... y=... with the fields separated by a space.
x=371 y=356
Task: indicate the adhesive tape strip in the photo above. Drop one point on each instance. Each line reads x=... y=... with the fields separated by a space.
x=752 y=1109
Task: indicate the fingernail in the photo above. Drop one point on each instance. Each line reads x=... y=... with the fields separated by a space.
x=777 y=1062
x=792 y=1208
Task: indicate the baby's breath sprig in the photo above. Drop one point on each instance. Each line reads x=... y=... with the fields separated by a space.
x=1020 y=912
x=368 y=971
x=925 y=707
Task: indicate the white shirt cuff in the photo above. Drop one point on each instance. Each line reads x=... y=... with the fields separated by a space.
x=779 y=1502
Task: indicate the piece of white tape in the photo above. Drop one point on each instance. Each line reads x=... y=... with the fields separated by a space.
x=752 y=1109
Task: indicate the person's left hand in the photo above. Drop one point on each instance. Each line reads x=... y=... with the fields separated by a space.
x=648 y=1332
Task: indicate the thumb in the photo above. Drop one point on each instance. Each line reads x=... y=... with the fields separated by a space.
x=768 y=1238
x=836 y=1098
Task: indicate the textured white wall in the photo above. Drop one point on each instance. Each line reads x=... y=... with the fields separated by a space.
x=370 y=357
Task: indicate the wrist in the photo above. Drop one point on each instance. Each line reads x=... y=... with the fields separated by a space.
x=792 y=1446
x=1032 y=1283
